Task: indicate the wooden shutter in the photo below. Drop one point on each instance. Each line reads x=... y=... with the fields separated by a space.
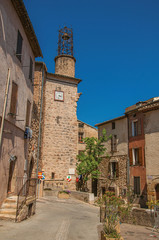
x=31 y=69
x=117 y=169
x=19 y=46
x=140 y=157
x=130 y=157
x=109 y=167
x=13 y=105
x=139 y=127
x=130 y=128
x=28 y=112
x=137 y=185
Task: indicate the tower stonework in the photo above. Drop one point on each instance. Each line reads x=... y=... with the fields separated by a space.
x=59 y=128
x=65 y=61
x=65 y=65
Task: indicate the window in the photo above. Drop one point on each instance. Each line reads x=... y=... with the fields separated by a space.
x=19 y=46
x=114 y=170
x=135 y=155
x=80 y=125
x=52 y=175
x=13 y=106
x=137 y=185
x=135 y=128
x=31 y=69
x=80 y=137
x=28 y=113
x=114 y=143
x=113 y=125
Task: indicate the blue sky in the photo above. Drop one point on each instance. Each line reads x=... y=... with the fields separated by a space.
x=116 y=46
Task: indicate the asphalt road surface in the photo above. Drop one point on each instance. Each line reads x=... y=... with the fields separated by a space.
x=55 y=220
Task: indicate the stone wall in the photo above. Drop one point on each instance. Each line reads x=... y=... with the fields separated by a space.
x=105 y=181
x=60 y=130
x=65 y=65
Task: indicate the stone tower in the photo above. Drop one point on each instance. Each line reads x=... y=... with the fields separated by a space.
x=59 y=128
x=65 y=61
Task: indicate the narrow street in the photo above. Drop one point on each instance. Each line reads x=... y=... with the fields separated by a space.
x=55 y=220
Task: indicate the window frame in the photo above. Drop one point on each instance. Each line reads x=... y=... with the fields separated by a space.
x=31 y=70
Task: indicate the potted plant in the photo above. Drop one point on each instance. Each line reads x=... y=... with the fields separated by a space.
x=64 y=194
x=115 y=209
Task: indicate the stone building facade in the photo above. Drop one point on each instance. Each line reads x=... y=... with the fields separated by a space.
x=18 y=48
x=143 y=149
x=54 y=145
x=114 y=164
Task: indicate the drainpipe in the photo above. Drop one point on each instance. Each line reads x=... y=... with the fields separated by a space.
x=4 y=106
x=39 y=136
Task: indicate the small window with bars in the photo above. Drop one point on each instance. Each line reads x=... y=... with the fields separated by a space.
x=80 y=137
x=114 y=169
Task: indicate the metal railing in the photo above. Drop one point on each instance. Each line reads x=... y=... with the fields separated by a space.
x=27 y=190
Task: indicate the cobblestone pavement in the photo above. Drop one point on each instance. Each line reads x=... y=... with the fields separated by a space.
x=136 y=232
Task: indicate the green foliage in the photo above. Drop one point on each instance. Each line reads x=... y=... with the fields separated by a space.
x=115 y=210
x=90 y=158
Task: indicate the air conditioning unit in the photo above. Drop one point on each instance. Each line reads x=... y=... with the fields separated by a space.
x=28 y=133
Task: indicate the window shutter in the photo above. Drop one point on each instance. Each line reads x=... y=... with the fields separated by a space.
x=139 y=126
x=31 y=69
x=14 y=98
x=130 y=157
x=28 y=113
x=140 y=156
x=19 y=46
x=130 y=128
x=109 y=168
x=117 y=169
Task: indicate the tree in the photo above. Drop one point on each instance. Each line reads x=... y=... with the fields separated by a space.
x=90 y=158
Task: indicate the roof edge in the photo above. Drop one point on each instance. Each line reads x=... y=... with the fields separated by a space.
x=28 y=27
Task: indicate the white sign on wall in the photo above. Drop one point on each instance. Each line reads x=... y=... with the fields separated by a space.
x=72 y=171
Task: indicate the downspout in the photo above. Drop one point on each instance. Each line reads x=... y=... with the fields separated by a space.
x=5 y=105
x=39 y=136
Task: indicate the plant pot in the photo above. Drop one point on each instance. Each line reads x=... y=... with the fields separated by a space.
x=63 y=195
x=108 y=238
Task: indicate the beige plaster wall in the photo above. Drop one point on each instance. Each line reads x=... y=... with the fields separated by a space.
x=13 y=135
x=122 y=136
x=151 y=127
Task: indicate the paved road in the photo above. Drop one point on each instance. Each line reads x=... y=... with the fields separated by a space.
x=55 y=220
x=136 y=232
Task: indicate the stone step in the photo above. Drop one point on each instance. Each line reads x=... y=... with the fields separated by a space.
x=12 y=199
x=7 y=216
x=8 y=211
x=12 y=205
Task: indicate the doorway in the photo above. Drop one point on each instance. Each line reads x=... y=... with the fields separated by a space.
x=157 y=191
x=94 y=186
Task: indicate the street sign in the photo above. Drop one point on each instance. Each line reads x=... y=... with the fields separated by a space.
x=68 y=178
x=39 y=175
x=43 y=176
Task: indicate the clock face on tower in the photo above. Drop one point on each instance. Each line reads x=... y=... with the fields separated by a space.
x=59 y=96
